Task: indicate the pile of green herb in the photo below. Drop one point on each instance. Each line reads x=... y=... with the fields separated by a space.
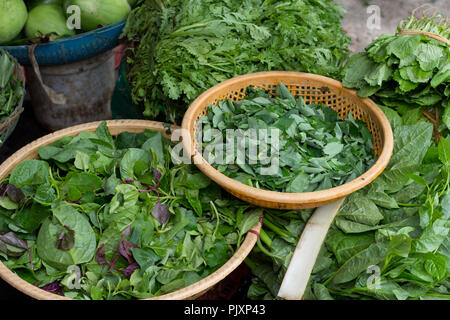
x=406 y=71
x=98 y=217
x=316 y=149
x=388 y=241
x=11 y=88
x=184 y=47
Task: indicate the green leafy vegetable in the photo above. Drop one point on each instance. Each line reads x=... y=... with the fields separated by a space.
x=405 y=72
x=131 y=223
x=184 y=47
x=390 y=240
x=12 y=89
x=315 y=148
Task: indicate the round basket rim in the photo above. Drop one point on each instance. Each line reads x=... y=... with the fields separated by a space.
x=190 y=292
x=283 y=200
x=425 y=33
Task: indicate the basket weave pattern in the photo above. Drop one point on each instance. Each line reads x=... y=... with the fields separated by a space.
x=313 y=89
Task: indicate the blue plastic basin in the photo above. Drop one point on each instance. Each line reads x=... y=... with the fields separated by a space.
x=73 y=49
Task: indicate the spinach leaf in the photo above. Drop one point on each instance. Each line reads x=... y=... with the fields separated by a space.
x=84 y=238
x=373 y=255
x=310 y=147
x=134 y=163
x=30 y=172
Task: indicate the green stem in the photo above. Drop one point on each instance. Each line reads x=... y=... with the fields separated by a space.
x=330 y=278
x=71 y=255
x=162 y=198
x=413 y=205
x=265 y=238
x=182 y=31
x=446 y=183
x=274 y=228
x=265 y=251
x=53 y=182
x=165 y=193
x=98 y=220
x=217 y=217
x=215 y=67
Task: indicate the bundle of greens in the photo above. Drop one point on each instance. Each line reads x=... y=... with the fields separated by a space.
x=389 y=240
x=184 y=47
x=313 y=150
x=11 y=88
x=98 y=217
x=405 y=71
x=429 y=21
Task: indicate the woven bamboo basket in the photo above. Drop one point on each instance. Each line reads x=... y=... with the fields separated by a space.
x=191 y=292
x=8 y=125
x=313 y=89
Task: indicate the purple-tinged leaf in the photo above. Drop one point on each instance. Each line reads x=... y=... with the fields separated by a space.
x=66 y=240
x=157 y=175
x=161 y=213
x=130 y=180
x=127 y=231
x=128 y=271
x=54 y=287
x=4 y=188
x=100 y=257
x=125 y=249
x=15 y=194
x=115 y=257
x=13 y=240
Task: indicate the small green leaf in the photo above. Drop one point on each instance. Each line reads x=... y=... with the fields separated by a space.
x=444 y=151
x=333 y=148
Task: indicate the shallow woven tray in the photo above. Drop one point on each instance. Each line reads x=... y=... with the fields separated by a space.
x=313 y=89
x=30 y=151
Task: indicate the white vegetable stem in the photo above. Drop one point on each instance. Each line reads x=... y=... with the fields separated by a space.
x=306 y=252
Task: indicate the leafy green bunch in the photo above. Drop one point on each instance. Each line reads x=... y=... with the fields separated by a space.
x=315 y=148
x=404 y=71
x=102 y=217
x=429 y=21
x=389 y=241
x=11 y=88
x=183 y=47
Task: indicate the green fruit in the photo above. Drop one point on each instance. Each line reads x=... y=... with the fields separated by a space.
x=46 y=19
x=13 y=15
x=98 y=13
x=35 y=3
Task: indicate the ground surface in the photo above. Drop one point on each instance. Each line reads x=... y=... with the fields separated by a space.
x=392 y=12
